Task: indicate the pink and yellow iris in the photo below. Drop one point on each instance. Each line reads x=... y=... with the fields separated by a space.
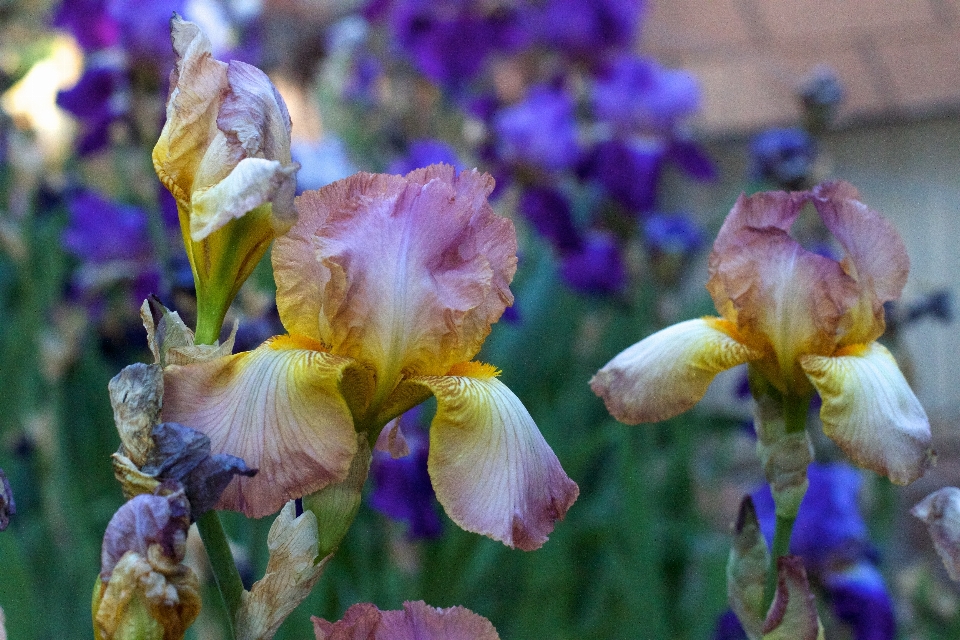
x=388 y=286
x=803 y=321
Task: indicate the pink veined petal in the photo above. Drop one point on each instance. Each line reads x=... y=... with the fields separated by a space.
x=280 y=409
x=876 y=257
x=668 y=372
x=406 y=273
x=870 y=411
x=417 y=621
x=491 y=469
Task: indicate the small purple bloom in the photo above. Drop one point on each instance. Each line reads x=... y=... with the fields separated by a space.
x=636 y=94
x=729 y=628
x=691 y=158
x=89 y=22
x=97 y=101
x=588 y=29
x=100 y=230
x=597 y=268
x=449 y=42
x=859 y=598
x=548 y=211
x=540 y=131
x=674 y=234
x=423 y=153
x=402 y=487
x=629 y=172
x=783 y=157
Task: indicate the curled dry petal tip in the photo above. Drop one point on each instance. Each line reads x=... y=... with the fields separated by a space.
x=941 y=512
x=668 y=372
x=793 y=614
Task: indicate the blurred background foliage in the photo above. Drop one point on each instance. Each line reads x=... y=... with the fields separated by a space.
x=615 y=193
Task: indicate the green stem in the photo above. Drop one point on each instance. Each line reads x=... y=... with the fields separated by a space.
x=781 y=547
x=211 y=529
x=221 y=560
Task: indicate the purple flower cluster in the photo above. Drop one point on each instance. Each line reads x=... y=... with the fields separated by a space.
x=568 y=114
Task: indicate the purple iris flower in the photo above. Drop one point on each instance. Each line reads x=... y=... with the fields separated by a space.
x=540 y=131
x=859 y=598
x=831 y=536
x=597 y=268
x=548 y=211
x=691 y=158
x=112 y=242
x=97 y=100
x=100 y=230
x=783 y=157
x=588 y=29
x=145 y=26
x=89 y=22
x=729 y=628
x=628 y=171
x=674 y=234
x=636 y=93
x=402 y=488
x=422 y=153
x=436 y=35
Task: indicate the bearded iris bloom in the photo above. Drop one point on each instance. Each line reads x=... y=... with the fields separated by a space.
x=388 y=286
x=802 y=321
x=224 y=155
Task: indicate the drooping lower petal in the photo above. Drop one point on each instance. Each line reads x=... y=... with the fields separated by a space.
x=668 y=372
x=941 y=512
x=870 y=411
x=492 y=470
x=278 y=408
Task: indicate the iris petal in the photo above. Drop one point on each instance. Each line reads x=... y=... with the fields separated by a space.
x=491 y=469
x=870 y=411
x=668 y=372
x=278 y=408
x=406 y=273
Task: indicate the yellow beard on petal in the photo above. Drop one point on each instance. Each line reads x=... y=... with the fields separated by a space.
x=473 y=369
x=296 y=341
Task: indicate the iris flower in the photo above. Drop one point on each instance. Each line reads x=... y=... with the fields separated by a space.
x=802 y=321
x=388 y=286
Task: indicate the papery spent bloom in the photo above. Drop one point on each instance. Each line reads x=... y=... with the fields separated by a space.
x=144 y=590
x=802 y=321
x=417 y=621
x=224 y=154
x=388 y=286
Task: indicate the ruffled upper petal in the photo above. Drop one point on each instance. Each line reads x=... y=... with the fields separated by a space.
x=417 y=621
x=492 y=470
x=280 y=408
x=876 y=256
x=871 y=412
x=785 y=300
x=405 y=273
x=668 y=372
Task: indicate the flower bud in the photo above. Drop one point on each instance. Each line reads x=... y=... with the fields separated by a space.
x=224 y=154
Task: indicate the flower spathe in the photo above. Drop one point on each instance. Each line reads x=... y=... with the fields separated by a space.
x=224 y=154
x=803 y=321
x=388 y=286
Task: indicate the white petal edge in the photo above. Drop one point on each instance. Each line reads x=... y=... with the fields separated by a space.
x=668 y=372
x=870 y=411
x=491 y=468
